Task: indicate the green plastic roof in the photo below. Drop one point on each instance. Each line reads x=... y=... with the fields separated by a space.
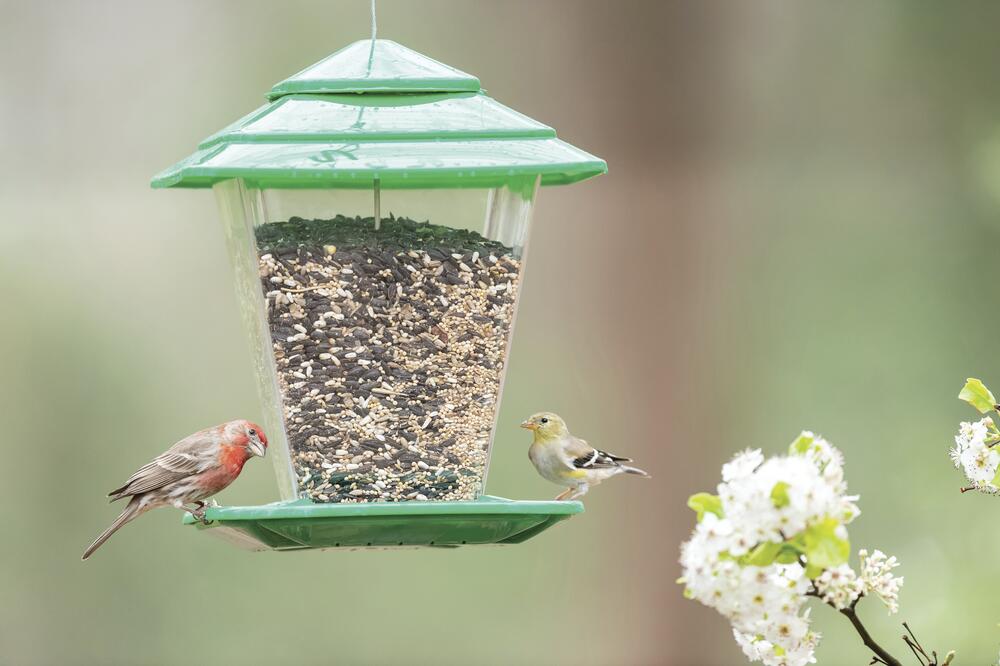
x=389 y=67
x=380 y=117
x=402 y=119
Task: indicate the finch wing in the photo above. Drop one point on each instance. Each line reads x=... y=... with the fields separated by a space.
x=185 y=458
x=587 y=457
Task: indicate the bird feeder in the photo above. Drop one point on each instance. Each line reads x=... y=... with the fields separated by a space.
x=376 y=212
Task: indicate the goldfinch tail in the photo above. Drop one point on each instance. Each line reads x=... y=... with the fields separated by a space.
x=636 y=471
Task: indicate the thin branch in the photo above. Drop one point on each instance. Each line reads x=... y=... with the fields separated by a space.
x=880 y=653
x=967 y=489
x=917 y=644
x=913 y=648
x=881 y=656
x=866 y=638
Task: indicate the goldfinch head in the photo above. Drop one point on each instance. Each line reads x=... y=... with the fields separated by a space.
x=546 y=426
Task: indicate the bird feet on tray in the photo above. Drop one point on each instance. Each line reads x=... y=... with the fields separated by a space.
x=199 y=513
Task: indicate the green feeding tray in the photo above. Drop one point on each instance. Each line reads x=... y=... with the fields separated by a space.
x=301 y=524
x=380 y=117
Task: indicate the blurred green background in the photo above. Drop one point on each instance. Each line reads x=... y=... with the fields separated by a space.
x=799 y=230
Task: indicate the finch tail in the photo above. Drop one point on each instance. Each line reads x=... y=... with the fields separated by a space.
x=636 y=471
x=130 y=512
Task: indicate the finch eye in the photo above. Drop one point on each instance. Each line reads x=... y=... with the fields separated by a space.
x=253 y=433
x=545 y=420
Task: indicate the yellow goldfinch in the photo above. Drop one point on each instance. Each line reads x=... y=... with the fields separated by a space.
x=569 y=461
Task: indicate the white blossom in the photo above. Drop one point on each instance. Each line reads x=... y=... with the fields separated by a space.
x=876 y=574
x=975 y=454
x=839 y=586
x=749 y=557
x=754 y=647
x=742 y=465
x=814 y=484
x=765 y=503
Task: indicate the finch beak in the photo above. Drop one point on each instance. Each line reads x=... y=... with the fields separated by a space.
x=257 y=449
x=528 y=425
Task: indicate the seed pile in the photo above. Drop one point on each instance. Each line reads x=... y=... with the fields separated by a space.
x=390 y=347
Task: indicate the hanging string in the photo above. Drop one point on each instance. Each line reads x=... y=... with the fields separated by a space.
x=371 y=56
x=377 y=188
x=371 y=49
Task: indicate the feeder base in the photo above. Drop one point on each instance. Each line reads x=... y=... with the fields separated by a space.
x=301 y=524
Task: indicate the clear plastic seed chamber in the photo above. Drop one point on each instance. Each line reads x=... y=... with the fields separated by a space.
x=377 y=212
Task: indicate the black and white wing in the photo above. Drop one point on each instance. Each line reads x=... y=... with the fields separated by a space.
x=597 y=459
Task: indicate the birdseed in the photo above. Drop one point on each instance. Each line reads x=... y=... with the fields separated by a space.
x=390 y=347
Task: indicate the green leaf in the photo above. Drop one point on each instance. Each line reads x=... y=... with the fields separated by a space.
x=764 y=554
x=779 y=651
x=801 y=444
x=823 y=548
x=704 y=502
x=996 y=478
x=768 y=552
x=788 y=554
x=813 y=571
x=779 y=495
x=976 y=394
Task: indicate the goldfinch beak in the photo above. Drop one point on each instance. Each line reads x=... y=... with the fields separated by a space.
x=528 y=425
x=257 y=449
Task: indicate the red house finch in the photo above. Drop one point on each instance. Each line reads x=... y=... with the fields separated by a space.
x=191 y=470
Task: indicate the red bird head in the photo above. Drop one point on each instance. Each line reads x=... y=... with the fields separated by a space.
x=252 y=437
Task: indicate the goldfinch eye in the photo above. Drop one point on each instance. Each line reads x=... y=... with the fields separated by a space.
x=253 y=433
x=545 y=420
